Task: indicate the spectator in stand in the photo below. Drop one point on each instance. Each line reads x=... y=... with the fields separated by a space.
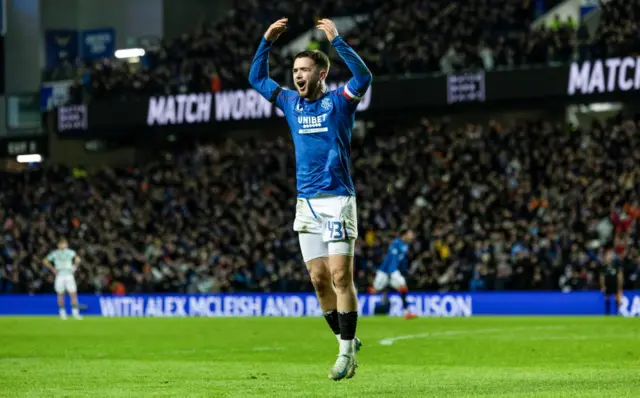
x=618 y=33
x=396 y=37
x=527 y=206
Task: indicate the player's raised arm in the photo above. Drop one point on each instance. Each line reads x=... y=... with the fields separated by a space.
x=259 y=74
x=362 y=77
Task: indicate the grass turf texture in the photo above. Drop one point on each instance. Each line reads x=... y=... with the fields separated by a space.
x=279 y=357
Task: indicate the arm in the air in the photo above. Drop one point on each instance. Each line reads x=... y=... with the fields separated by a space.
x=259 y=74
x=356 y=86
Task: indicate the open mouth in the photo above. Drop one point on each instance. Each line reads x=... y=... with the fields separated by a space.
x=301 y=85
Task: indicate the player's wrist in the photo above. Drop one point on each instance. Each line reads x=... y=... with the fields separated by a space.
x=268 y=40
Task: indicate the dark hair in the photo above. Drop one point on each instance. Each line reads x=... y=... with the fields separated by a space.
x=318 y=57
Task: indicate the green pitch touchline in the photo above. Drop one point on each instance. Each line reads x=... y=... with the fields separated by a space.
x=391 y=340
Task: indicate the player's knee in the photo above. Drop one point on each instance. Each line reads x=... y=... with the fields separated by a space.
x=403 y=289
x=321 y=282
x=342 y=279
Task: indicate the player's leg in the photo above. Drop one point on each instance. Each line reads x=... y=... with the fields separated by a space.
x=380 y=285
x=58 y=285
x=380 y=282
x=398 y=282
x=346 y=297
x=61 y=309
x=315 y=254
x=72 y=288
x=334 y=220
x=75 y=308
x=341 y=231
x=611 y=291
x=341 y=266
x=618 y=297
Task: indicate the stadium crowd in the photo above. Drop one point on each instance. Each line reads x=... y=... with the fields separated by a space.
x=524 y=206
x=452 y=36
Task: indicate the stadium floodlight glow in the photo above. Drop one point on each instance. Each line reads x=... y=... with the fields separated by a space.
x=31 y=158
x=129 y=53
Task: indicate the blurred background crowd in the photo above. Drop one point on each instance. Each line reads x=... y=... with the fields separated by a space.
x=451 y=36
x=490 y=212
x=526 y=205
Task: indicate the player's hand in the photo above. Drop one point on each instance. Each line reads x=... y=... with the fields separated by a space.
x=328 y=27
x=276 y=29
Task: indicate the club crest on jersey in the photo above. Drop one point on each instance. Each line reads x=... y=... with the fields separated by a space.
x=299 y=108
x=326 y=103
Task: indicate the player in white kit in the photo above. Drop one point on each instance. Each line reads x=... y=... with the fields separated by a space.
x=63 y=262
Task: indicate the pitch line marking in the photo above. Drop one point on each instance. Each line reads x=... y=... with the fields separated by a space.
x=391 y=340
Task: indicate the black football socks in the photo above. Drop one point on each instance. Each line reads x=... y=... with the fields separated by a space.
x=331 y=317
x=348 y=322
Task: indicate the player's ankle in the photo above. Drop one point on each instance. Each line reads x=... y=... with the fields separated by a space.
x=331 y=317
x=347 y=347
x=348 y=323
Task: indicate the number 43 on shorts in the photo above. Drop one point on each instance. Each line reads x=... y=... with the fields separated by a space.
x=335 y=231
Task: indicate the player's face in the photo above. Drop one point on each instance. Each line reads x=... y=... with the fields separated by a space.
x=62 y=245
x=307 y=77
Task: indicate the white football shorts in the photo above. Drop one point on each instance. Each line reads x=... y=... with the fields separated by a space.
x=326 y=225
x=65 y=283
x=394 y=279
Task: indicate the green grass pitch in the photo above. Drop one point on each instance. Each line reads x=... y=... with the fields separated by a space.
x=290 y=357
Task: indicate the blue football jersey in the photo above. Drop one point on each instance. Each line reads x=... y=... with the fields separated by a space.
x=396 y=258
x=321 y=129
x=321 y=132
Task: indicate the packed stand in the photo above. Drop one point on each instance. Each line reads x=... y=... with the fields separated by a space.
x=407 y=37
x=490 y=213
x=215 y=54
x=619 y=30
x=452 y=36
x=397 y=37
